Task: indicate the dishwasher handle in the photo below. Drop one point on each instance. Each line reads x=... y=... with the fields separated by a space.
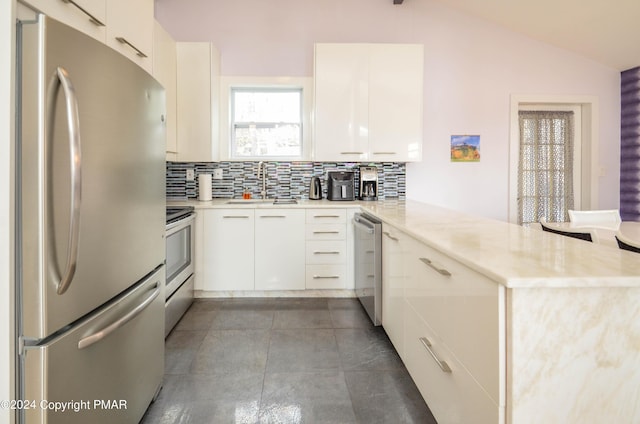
x=363 y=223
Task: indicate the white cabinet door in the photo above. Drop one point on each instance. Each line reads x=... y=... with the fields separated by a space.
x=452 y=393
x=341 y=97
x=130 y=30
x=393 y=281
x=279 y=247
x=368 y=102
x=463 y=308
x=197 y=88
x=395 y=102
x=88 y=16
x=229 y=249
x=164 y=70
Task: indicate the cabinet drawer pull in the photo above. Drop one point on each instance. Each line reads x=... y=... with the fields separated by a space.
x=326 y=232
x=442 y=364
x=322 y=277
x=125 y=41
x=385 y=153
x=352 y=153
x=321 y=252
x=272 y=216
x=326 y=216
x=431 y=265
x=389 y=235
x=92 y=18
x=235 y=216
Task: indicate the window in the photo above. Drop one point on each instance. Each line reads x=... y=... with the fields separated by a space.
x=545 y=169
x=266 y=122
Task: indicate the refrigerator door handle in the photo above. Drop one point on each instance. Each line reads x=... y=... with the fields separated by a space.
x=61 y=78
x=101 y=334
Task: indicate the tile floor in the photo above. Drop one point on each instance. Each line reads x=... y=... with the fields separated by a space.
x=303 y=360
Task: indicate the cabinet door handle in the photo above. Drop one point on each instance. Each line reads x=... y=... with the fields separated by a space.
x=321 y=252
x=390 y=236
x=385 y=153
x=326 y=216
x=431 y=265
x=92 y=18
x=235 y=216
x=442 y=364
x=125 y=41
x=352 y=153
x=272 y=216
x=322 y=277
x=326 y=232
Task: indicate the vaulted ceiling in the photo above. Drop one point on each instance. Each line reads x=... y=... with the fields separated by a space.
x=606 y=31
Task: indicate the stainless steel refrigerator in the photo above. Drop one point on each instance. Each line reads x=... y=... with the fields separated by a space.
x=91 y=220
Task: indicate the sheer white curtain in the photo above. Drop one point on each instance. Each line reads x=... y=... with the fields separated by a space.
x=545 y=168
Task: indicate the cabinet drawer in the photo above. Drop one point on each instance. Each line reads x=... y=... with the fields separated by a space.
x=463 y=308
x=326 y=276
x=453 y=396
x=326 y=231
x=326 y=252
x=326 y=216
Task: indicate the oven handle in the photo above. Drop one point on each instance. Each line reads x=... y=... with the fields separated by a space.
x=180 y=224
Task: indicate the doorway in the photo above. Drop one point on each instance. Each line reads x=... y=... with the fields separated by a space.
x=584 y=110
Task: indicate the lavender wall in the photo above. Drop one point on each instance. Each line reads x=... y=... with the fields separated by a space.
x=630 y=145
x=472 y=68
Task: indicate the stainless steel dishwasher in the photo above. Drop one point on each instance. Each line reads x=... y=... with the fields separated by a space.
x=368 y=264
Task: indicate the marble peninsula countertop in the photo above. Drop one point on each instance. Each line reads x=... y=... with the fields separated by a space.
x=511 y=255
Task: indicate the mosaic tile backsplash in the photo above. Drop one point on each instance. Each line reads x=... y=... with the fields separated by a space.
x=284 y=179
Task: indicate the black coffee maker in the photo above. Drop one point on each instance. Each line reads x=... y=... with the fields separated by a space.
x=368 y=183
x=340 y=185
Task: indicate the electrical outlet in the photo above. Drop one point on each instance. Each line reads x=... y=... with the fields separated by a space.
x=191 y=174
x=217 y=174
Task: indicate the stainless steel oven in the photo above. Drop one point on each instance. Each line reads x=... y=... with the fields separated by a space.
x=368 y=264
x=180 y=253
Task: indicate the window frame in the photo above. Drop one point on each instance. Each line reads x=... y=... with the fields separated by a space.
x=228 y=84
x=235 y=124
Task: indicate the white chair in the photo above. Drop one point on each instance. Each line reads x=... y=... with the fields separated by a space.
x=605 y=218
x=585 y=234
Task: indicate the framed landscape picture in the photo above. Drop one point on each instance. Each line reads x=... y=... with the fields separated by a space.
x=465 y=148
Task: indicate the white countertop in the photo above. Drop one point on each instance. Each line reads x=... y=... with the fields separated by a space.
x=507 y=253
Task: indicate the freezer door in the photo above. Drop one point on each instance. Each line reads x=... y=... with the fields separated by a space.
x=92 y=174
x=107 y=368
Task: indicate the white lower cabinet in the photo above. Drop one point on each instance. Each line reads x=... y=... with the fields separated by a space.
x=451 y=392
x=279 y=249
x=326 y=253
x=447 y=322
x=393 y=281
x=228 y=259
x=244 y=249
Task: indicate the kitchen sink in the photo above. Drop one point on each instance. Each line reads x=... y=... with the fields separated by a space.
x=262 y=202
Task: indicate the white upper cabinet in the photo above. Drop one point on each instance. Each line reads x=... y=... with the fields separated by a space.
x=341 y=102
x=368 y=102
x=88 y=16
x=164 y=70
x=198 y=81
x=395 y=102
x=130 y=29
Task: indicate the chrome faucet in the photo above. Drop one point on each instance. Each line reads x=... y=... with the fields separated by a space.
x=262 y=173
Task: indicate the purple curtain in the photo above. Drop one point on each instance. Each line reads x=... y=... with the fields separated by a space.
x=630 y=145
